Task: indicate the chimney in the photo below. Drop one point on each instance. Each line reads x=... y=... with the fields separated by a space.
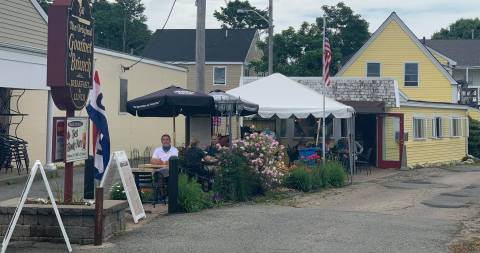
x=423 y=40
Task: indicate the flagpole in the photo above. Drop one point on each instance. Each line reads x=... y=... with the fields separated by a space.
x=324 y=91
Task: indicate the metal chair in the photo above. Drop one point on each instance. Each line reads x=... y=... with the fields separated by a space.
x=363 y=160
x=156 y=182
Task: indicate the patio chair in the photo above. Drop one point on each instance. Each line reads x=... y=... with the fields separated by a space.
x=155 y=182
x=363 y=161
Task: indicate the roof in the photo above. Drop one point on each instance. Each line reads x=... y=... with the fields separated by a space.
x=221 y=45
x=272 y=92
x=464 y=52
x=395 y=18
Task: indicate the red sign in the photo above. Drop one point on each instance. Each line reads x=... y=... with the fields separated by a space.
x=58 y=152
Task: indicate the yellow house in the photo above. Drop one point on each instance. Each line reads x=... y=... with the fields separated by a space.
x=429 y=126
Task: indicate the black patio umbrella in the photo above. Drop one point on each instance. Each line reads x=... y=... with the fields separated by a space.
x=229 y=105
x=170 y=102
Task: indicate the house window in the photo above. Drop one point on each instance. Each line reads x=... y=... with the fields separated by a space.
x=373 y=69
x=411 y=74
x=455 y=128
x=419 y=128
x=437 y=127
x=219 y=75
x=123 y=95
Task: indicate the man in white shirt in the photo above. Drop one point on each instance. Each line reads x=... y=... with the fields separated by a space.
x=163 y=153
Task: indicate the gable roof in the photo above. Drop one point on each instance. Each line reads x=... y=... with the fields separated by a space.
x=221 y=45
x=394 y=17
x=464 y=52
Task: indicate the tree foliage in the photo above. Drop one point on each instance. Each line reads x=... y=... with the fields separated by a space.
x=231 y=19
x=299 y=52
x=461 y=29
x=110 y=20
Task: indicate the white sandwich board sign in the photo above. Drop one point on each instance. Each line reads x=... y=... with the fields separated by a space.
x=119 y=161
x=23 y=198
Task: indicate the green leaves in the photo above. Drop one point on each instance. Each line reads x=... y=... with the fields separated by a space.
x=299 y=52
x=231 y=19
x=461 y=29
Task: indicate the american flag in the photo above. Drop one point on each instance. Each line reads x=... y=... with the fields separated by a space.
x=327 y=60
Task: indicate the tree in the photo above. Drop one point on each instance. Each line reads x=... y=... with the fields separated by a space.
x=44 y=4
x=230 y=18
x=119 y=25
x=299 y=52
x=461 y=29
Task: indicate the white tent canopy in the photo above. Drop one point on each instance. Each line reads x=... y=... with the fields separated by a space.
x=281 y=96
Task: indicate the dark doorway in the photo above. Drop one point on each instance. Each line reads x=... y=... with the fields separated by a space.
x=366 y=135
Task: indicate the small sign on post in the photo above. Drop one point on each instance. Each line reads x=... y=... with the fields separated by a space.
x=77 y=139
x=119 y=161
x=23 y=198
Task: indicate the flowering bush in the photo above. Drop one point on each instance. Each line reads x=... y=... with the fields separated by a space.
x=265 y=156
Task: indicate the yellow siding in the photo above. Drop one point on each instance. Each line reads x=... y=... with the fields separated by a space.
x=393 y=48
x=474 y=113
x=234 y=72
x=440 y=58
x=430 y=150
x=126 y=131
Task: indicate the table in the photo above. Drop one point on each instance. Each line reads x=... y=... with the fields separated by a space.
x=144 y=177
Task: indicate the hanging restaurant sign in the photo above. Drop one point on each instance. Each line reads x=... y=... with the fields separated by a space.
x=70 y=53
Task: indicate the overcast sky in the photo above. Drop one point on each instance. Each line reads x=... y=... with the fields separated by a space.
x=424 y=17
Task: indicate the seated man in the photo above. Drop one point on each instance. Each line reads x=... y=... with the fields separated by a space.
x=163 y=153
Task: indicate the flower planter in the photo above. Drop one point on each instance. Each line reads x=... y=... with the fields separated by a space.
x=37 y=222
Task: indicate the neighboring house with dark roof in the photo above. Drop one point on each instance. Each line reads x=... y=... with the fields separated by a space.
x=462 y=59
x=228 y=53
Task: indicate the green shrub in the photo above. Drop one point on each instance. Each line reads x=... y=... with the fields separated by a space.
x=300 y=179
x=191 y=197
x=117 y=192
x=234 y=181
x=335 y=174
x=319 y=179
x=474 y=137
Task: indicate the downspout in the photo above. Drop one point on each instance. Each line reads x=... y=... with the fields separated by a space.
x=49 y=165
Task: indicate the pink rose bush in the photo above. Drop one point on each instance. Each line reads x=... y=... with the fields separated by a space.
x=265 y=156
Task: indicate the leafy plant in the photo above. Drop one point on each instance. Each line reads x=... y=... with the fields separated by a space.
x=335 y=174
x=117 y=192
x=235 y=180
x=300 y=179
x=191 y=196
x=474 y=138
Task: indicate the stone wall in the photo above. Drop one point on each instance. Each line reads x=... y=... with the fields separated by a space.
x=351 y=89
x=38 y=222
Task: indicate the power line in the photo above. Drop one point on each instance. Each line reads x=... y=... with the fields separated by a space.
x=158 y=33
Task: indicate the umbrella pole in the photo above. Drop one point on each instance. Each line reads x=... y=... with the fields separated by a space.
x=174 y=133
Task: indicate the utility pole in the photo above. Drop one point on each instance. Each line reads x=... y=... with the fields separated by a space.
x=200 y=46
x=270 y=37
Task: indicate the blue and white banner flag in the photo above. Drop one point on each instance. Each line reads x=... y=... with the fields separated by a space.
x=101 y=137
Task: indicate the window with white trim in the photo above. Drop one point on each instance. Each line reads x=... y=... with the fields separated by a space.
x=455 y=128
x=411 y=74
x=437 y=128
x=373 y=69
x=419 y=128
x=220 y=75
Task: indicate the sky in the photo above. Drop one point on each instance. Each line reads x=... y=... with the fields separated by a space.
x=424 y=17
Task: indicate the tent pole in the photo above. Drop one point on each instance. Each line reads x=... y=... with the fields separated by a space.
x=318 y=132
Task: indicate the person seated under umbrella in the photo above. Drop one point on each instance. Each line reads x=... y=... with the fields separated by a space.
x=162 y=154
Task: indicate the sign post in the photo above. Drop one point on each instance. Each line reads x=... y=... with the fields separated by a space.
x=70 y=62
